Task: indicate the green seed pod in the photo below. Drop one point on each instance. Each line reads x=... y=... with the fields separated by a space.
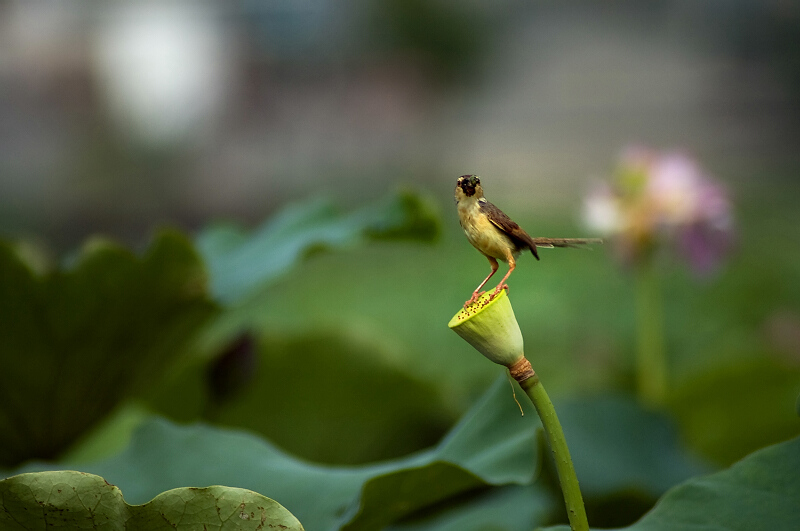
x=490 y=327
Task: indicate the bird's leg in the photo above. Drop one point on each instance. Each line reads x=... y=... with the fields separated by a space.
x=511 y=265
x=494 y=266
x=477 y=293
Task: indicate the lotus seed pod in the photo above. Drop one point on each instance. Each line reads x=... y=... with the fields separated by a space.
x=490 y=326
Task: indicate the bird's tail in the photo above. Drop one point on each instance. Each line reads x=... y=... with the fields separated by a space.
x=565 y=242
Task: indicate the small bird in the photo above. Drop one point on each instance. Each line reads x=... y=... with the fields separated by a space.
x=493 y=233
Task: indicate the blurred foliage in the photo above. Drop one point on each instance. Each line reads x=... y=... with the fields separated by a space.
x=492 y=445
x=343 y=367
x=78 y=341
x=749 y=406
x=369 y=410
x=510 y=507
x=240 y=263
x=577 y=315
x=76 y=500
x=489 y=459
x=114 y=325
x=598 y=428
x=625 y=457
x=759 y=492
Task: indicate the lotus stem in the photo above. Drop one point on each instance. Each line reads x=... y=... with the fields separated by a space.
x=490 y=326
x=651 y=361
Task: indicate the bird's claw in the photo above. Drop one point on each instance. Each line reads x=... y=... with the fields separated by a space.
x=497 y=290
x=475 y=296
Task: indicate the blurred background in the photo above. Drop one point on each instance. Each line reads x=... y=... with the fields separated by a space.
x=117 y=118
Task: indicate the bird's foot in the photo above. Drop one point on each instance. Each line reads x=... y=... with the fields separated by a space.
x=497 y=290
x=475 y=296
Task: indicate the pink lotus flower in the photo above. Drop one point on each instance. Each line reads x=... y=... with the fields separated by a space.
x=663 y=198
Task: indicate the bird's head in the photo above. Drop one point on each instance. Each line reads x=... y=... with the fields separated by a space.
x=468 y=186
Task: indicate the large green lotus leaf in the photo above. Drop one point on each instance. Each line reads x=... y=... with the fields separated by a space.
x=78 y=341
x=76 y=500
x=109 y=436
x=762 y=491
x=617 y=446
x=725 y=423
x=512 y=507
x=625 y=457
x=493 y=442
x=371 y=410
x=491 y=445
x=240 y=263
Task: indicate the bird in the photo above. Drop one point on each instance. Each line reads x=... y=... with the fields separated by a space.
x=495 y=235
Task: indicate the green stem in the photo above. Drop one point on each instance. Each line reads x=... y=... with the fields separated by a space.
x=558 y=445
x=651 y=366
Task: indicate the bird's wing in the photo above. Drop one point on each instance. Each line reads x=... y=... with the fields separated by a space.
x=500 y=220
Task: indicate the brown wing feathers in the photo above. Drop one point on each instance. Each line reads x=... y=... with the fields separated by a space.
x=500 y=220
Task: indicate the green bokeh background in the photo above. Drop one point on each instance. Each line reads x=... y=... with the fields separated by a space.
x=328 y=338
